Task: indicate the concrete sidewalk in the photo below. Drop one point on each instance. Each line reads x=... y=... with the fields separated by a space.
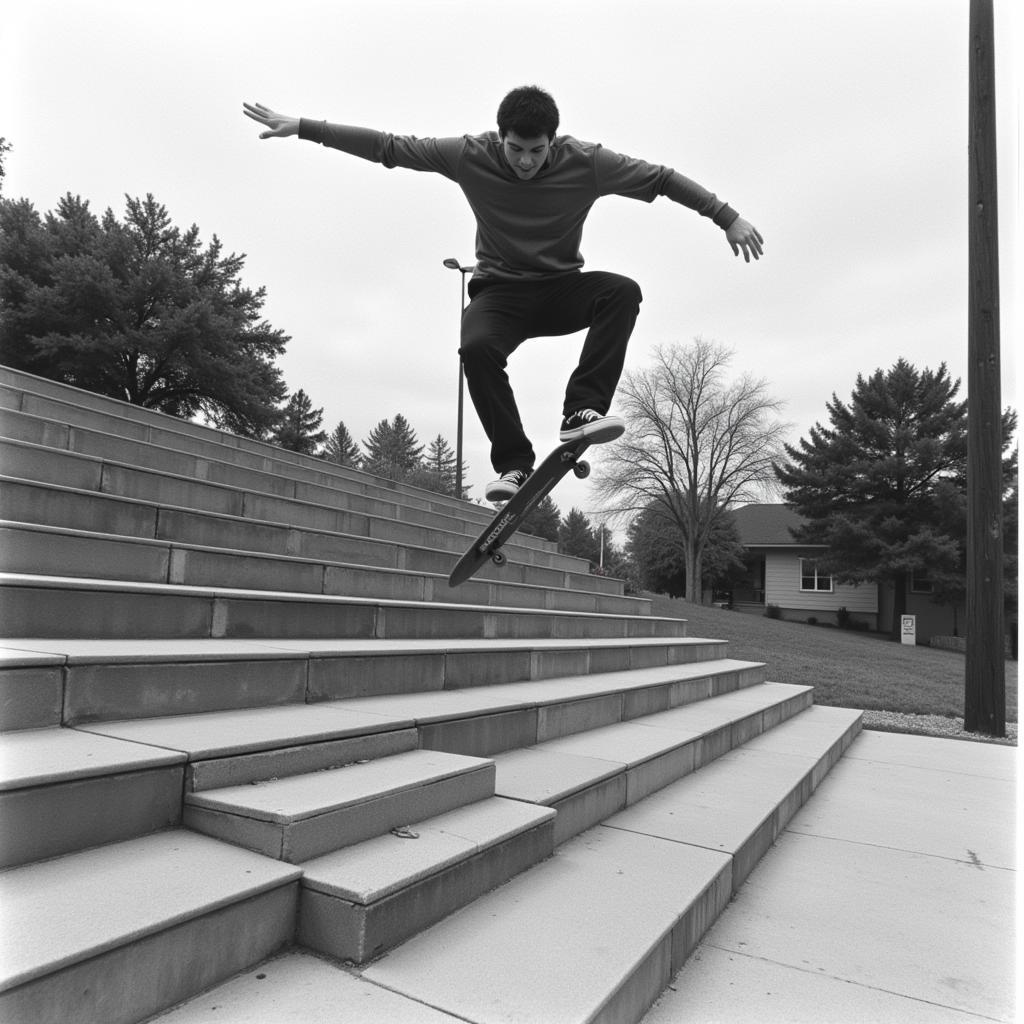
x=890 y=897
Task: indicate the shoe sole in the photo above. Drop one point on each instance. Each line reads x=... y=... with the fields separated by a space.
x=504 y=496
x=595 y=433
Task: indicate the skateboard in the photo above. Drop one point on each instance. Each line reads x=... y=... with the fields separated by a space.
x=564 y=459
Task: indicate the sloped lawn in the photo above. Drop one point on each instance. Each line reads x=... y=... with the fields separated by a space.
x=846 y=669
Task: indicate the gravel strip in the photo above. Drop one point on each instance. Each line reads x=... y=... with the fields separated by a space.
x=933 y=725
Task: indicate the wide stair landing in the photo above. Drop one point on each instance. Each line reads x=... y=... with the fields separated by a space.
x=262 y=763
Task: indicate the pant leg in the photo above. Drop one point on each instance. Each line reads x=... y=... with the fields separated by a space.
x=607 y=305
x=493 y=327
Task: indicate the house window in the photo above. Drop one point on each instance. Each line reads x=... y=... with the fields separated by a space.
x=921 y=582
x=813 y=578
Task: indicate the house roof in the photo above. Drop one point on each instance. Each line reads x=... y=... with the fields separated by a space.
x=766 y=525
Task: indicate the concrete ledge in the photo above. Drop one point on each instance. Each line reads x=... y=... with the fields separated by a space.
x=301 y=817
x=71 y=910
x=53 y=606
x=360 y=901
x=95 y=680
x=611 y=897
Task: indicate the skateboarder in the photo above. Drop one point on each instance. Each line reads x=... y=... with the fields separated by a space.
x=531 y=191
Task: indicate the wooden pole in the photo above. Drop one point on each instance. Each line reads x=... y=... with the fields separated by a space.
x=985 y=681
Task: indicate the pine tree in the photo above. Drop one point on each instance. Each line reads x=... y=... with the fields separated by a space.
x=298 y=430
x=438 y=469
x=340 y=448
x=139 y=310
x=576 y=536
x=392 y=449
x=543 y=520
x=5 y=148
x=875 y=485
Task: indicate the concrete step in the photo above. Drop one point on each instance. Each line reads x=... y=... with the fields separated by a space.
x=304 y=816
x=54 y=606
x=67 y=407
x=590 y=775
x=360 y=901
x=62 y=790
x=47 y=504
x=67 y=789
x=116 y=934
x=45 y=551
x=61 y=681
x=299 y=987
x=630 y=898
x=264 y=497
x=59 y=425
x=486 y=721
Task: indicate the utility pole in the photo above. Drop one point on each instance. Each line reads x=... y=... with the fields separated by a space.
x=985 y=679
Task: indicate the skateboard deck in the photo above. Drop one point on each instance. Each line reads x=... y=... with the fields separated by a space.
x=488 y=546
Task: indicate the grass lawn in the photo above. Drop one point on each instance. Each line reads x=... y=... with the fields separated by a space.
x=846 y=669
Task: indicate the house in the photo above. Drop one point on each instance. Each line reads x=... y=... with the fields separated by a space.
x=785 y=574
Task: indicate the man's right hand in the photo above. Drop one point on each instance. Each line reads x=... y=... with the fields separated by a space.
x=280 y=125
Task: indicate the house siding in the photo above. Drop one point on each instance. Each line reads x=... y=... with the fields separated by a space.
x=782 y=588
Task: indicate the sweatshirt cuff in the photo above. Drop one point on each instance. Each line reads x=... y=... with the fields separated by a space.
x=725 y=217
x=313 y=131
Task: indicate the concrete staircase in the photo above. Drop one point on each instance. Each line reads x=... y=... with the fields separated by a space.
x=260 y=760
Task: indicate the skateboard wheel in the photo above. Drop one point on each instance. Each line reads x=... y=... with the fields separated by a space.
x=582 y=469
x=498 y=557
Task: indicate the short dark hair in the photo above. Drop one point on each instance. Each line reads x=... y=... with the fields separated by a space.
x=529 y=112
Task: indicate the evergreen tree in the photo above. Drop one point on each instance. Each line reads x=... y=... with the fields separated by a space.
x=392 y=449
x=657 y=550
x=576 y=536
x=879 y=485
x=437 y=472
x=299 y=427
x=340 y=448
x=543 y=520
x=5 y=148
x=139 y=310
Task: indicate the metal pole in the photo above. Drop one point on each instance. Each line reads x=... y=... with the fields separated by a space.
x=462 y=377
x=453 y=264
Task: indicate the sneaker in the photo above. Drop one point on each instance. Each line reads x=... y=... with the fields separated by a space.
x=586 y=423
x=507 y=486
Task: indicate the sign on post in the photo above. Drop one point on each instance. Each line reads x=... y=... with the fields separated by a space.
x=908 y=629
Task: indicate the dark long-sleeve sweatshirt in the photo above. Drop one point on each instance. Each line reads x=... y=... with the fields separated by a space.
x=533 y=228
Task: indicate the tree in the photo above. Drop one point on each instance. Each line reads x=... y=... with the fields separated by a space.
x=5 y=148
x=340 y=448
x=437 y=471
x=576 y=536
x=543 y=520
x=138 y=310
x=695 y=445
x=658 y=552
x=392 y=449
x=299 y=427
x=882 y=486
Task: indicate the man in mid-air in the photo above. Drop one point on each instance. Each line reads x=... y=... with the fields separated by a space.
x=530 y=191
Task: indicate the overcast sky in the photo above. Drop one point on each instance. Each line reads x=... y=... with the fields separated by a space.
x=837 y=127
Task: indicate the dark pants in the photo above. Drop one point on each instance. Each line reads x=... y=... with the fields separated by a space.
x=501 y=317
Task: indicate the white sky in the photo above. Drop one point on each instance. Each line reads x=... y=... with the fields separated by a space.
x=838 y=127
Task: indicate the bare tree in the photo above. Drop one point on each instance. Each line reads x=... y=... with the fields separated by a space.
x=695 y=445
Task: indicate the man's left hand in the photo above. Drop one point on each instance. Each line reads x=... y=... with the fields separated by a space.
x=741 y=234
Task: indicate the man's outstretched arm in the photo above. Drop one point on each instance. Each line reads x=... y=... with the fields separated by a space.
x=280 y=126
x=741 y=234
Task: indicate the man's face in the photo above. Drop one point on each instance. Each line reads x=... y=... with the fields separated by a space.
x=525 y=156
